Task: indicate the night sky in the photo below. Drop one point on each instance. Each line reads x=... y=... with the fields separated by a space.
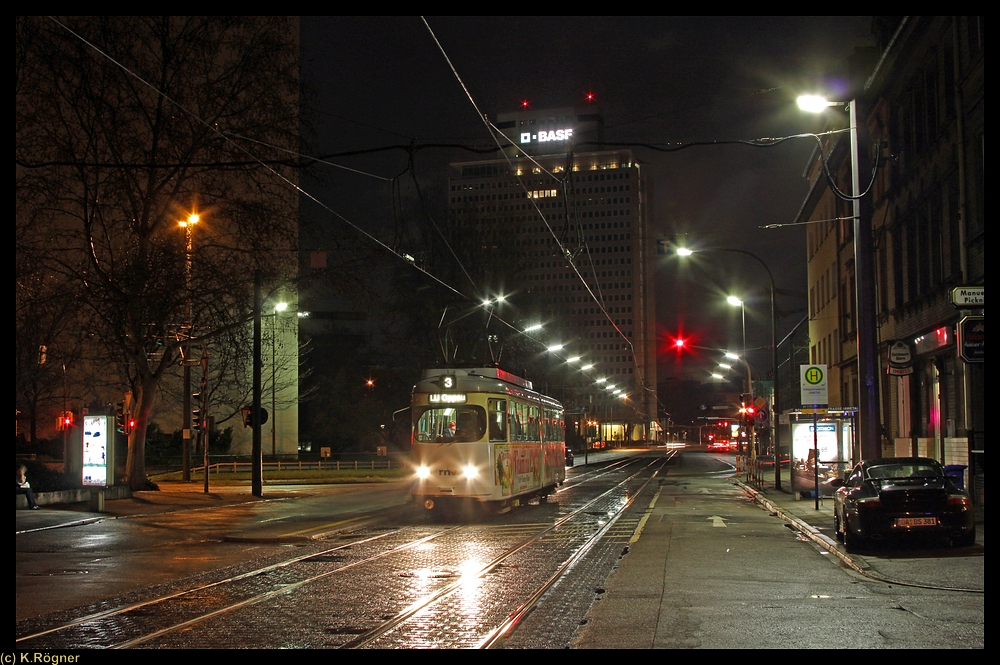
x=383 y=80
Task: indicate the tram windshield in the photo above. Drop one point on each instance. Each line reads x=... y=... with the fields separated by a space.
x=449 y=424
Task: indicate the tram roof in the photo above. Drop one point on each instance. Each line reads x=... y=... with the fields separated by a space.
x=480 y=372
x=484 y=379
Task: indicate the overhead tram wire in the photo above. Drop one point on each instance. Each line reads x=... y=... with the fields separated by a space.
x=295 y=186
x=257 y=160
x=494 y=133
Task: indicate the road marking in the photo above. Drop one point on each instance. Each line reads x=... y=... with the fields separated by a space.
x=645 y=516
x=718 y=521
x=323 y=526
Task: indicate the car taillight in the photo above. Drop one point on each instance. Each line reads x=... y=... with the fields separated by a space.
x=959 y=500
x=870 y=502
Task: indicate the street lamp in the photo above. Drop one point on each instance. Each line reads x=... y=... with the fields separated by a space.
x=864 y=266
x=736 y=302
x=188 y=226
x=682 y=252
x=278 y=307
x=753 y=438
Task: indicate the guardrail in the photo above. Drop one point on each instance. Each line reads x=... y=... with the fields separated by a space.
x=374 y=463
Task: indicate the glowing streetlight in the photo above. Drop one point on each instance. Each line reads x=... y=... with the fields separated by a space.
x=815 y=103
x=188 y=226
x=864 y=262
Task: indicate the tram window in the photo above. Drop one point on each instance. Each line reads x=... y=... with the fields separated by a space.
x=517 y=419
x=450 y=424
x=498 y=419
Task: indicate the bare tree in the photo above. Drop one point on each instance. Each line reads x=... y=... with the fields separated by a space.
x=124 y=126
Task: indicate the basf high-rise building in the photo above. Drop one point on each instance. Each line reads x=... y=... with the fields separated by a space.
x=577 y=220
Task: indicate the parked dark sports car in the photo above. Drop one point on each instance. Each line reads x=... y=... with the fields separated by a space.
x=901 y=495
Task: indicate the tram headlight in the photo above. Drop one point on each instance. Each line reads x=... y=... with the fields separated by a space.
x=470 y=472
x=423 y=473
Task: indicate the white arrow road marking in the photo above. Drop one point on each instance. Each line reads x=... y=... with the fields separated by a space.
x=717 y=521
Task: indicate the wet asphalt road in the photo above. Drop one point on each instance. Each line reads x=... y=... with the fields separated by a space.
x=705 y=567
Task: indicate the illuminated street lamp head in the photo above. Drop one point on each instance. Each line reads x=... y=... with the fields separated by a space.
x=280 y=307
x=734 y=301
x=587 y=367
x=732 y=356
x=574 y=359
x=555 y=347
x=537 y=326
x=684 y=251
x=814 y=103
x=717 y=376
x=725 y=366
x=190 y=221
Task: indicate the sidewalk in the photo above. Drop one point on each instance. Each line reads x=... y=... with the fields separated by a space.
x=171 y=497
x=633 y=612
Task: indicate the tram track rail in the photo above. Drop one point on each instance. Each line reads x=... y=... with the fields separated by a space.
x=25 y=641
x=147 y=621
x=510 y=622
x=498 y=634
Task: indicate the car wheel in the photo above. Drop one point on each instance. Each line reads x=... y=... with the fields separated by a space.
x=968 y=540
x=852 y=542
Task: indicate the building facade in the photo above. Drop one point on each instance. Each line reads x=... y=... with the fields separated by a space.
x=578 y=221
x=923 y=106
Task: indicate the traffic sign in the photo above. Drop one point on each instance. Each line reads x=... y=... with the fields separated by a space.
x=761 y=415
x=814 y=388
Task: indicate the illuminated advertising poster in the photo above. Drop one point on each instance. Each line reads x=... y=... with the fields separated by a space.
x=803 y=457
x=96 y=441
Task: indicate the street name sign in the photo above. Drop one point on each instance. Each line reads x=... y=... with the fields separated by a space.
x=968 y=296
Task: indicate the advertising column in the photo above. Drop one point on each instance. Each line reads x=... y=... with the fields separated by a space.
x=98 y=456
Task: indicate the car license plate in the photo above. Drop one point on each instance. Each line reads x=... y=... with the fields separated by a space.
x=916 y=521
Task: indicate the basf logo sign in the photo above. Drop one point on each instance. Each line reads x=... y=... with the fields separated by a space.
x=546 y=136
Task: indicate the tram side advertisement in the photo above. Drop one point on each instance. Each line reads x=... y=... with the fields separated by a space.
x=518 y=467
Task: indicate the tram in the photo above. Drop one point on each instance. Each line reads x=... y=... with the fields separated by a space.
x=484 y=440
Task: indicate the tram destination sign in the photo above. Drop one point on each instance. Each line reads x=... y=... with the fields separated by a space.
x=447 y=398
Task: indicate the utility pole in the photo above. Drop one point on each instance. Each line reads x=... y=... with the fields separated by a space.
x=257 y=462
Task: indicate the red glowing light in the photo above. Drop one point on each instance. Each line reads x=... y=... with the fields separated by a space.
x=680 y=343
x=590 y=96
x=524 y=103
